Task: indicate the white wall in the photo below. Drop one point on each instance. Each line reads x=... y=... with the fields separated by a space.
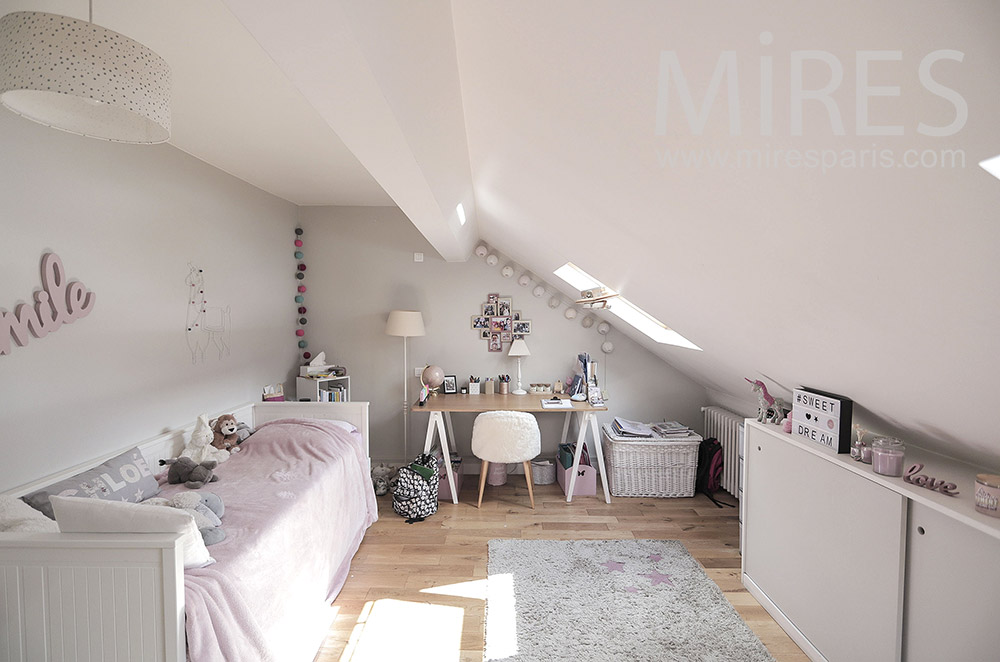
x=126 y=220
x=360 y=266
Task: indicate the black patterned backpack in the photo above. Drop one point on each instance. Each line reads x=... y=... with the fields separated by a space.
x=416 y=493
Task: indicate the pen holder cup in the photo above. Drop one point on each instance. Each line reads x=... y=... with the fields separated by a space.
x=504 y=388
x=488 y=387
x=473 y=388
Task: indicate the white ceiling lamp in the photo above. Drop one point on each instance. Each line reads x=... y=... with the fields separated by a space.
x=524 y=280
x=507 y=271
x=82 y=78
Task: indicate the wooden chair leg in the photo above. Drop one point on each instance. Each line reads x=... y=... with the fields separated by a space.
x=482 y=482
x=528 y=476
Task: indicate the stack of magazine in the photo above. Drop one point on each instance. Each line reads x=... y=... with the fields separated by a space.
x=625 y=428
x=671 y=429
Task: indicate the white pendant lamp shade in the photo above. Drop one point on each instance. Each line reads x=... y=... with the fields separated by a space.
x=82 y=78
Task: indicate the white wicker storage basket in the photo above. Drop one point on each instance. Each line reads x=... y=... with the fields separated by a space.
x=650 y=467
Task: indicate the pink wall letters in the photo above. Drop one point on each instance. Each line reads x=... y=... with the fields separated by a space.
x=914 y=476
x=58 y=302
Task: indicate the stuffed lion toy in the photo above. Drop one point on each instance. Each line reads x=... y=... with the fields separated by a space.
x=224 y=433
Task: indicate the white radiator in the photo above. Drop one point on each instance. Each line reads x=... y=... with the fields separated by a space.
x=726 y=426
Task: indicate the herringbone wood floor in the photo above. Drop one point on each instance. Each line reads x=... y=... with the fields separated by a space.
x=397 y=561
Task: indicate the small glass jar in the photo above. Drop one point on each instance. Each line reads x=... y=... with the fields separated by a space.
x=856 y=449
x=887 y=456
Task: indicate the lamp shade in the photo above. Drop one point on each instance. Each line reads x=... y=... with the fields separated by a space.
x=519 y=348
x=406 y=323
x=82 y=78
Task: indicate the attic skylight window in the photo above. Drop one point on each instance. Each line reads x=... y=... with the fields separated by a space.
x=991 y=166
x=461 y=214
x=627 y=311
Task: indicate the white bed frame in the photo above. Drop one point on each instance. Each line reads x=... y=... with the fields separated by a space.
x=103 y=597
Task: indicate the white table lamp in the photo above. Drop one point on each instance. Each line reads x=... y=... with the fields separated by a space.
x=406 y=324
x=519 y=348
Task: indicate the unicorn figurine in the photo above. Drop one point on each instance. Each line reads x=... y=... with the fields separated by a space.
x=769 y=408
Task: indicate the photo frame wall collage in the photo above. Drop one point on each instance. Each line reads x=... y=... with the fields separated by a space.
x=498 y=323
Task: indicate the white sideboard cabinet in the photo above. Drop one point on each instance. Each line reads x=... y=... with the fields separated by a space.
x=859 y=567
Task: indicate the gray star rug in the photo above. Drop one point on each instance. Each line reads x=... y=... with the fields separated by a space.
x=609 y=600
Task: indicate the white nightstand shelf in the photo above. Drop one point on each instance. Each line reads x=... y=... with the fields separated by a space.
x=336 y=389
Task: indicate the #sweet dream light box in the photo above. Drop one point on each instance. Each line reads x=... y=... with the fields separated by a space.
x=822 y=418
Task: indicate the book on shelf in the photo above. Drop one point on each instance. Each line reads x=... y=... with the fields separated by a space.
x=333 y=394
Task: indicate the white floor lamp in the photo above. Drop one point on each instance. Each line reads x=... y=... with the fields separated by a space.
x=519 y=348
x=407 y=324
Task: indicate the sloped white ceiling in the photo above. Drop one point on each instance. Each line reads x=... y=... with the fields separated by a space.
x=863 y=276
x=231 y=105
x=877 y=282
x=385 y=78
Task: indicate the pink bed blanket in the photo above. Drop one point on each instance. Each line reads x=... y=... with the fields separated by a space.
x=298 y=500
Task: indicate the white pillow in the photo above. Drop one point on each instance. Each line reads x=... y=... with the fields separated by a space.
x=344 y=425
x=86 y=515
x=17 y=516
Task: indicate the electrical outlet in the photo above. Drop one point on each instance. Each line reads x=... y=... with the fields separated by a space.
x=417 y=371
x=418 y=257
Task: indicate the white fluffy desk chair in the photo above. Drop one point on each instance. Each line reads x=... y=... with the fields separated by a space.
x=506 y=436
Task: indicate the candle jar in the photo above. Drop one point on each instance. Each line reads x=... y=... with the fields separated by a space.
x=887 y=456
x=988 y=494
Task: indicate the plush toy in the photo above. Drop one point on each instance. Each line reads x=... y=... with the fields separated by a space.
x=243 y=431
x=205 y=507
x=185 y=470
x=382 y=475
x=224 y=433
x=200 y=448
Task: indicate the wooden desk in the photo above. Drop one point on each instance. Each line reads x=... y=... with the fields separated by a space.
x=441 y=407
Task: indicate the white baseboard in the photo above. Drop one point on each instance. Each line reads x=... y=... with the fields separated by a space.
x=782 y=620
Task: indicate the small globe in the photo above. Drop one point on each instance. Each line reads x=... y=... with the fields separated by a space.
x=432 y=376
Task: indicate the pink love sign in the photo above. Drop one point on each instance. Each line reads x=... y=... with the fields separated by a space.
x=914 y=476
x=58 y=302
